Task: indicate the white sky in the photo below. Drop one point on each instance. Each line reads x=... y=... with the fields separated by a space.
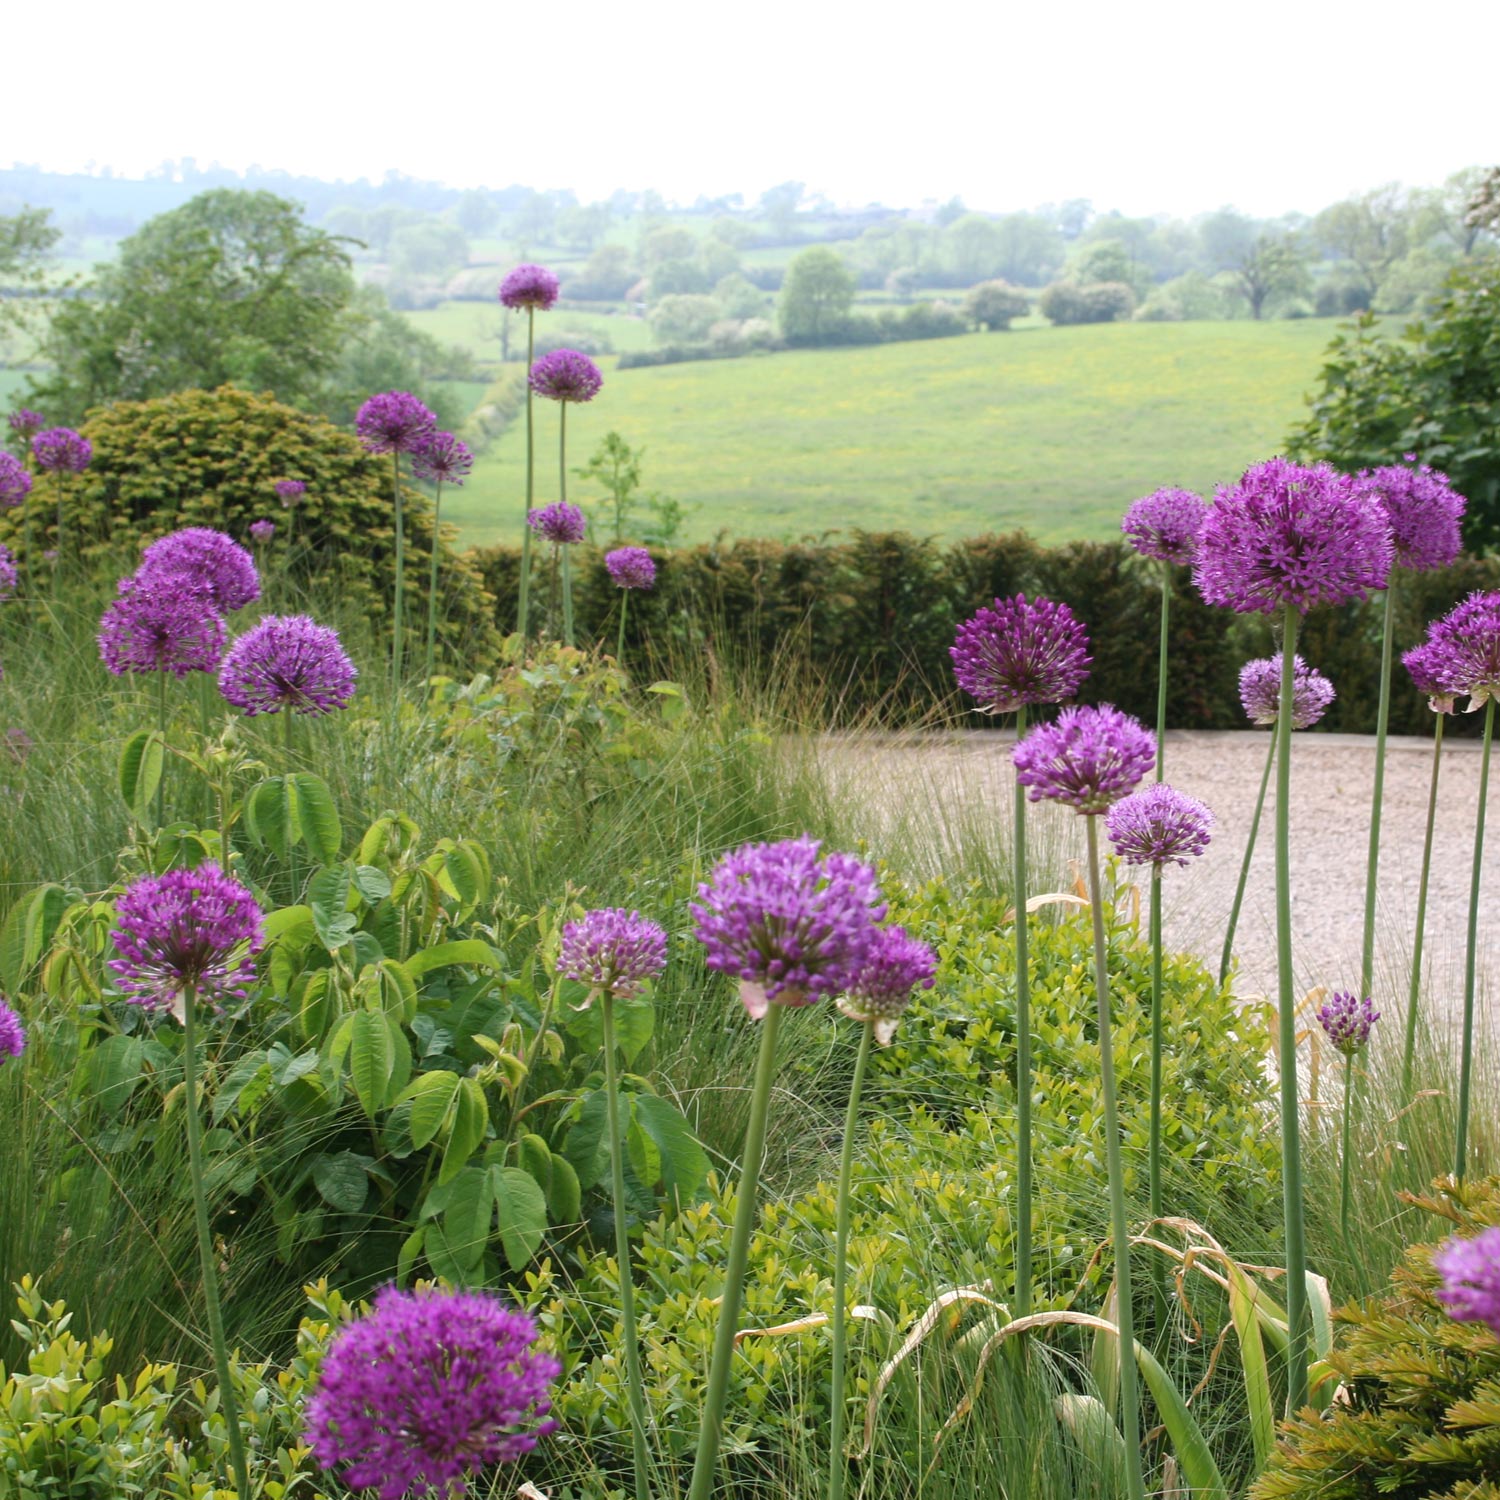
x=1156 y=106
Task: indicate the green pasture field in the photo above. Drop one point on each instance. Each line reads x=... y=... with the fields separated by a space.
x=475 y=326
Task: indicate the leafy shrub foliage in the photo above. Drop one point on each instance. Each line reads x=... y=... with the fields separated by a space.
x=1070 y=302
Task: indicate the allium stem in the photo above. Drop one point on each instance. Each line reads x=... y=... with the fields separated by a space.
x=1019 y=896
x=634 y=1383
x=620 y=646
x=1413 y=1000
x=746 y=1204
x=1161 y=674
x=397 y=607
x=289 y=734
x=432 y=583
x=1239 y=889
x=836 y=1464
x=1153 y=1165
x=523 y=597
x=227 y=1403
x=562 y=495
x=161 y=729
x=1344 y=1154
x=1382 y=720
x=1471 y=953
x=1130 y=1425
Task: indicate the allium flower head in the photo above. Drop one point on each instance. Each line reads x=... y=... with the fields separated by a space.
x=289 y=491
x=529 y=286
x=1347 y=1021
x=566 y=375
x=791 y=924
x=1159 y=826
x=1289 y=535
x=1421 y=663
x=60 y=449
x=1018 y=652
x=427 y=1387
x=12 y=1033
x=205 y=557
x=8 y=574
x=287 y=662
x=613 y=950
x=1462 y=652
x=187 y=929
x=394 y=422
x=15 y=482
x=895 y=965
x=1166 y=524
x=560 y=523
x=1470 y=1269
x=444 y=460
x=1089 y=758
x=26 y=423
x=262 y=531
x=631 y=567
x=1423 y=509
x=161 y=624
x=1260 y=691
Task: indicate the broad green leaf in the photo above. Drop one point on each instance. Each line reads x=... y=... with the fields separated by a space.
x=388 y=986
x=316 y=816
x=328 y=900
x=430 y=1098
x=471 y=1117
x=271 y=815
x=584 y=1146
x=564 y=1197
x=114 y=1071
x=1188 y=1443
x=642 y=1156
x=374 y=885
x=446 y=1261
x=406 y=1256
x=684 y=1162
x=141 y=764
x=470 y=952
x=28 y=933
x=466 y=1219
x=341 y=1180
x=523 y=1214
x=243 y=1086
x=371 y=1059
x=634 y=1020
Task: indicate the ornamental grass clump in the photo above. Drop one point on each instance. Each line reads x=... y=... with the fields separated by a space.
x=629 y=568
x=203 y=558
x=445 y=460
x=562 y=525
x=1347 y=1022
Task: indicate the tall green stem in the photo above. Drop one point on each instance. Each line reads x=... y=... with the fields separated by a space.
x=836 y=1466
x=290 y=733
x=523 y=597
x=432 y=583
x=620 y=646
x=635 y=1385
x=1130 y=1413
x=1019 y=895
x=1239 y=889
x=1471 y=953
x=1348 y=1134
x=1382 y=720
x=161 y=729
x=227 y=1403
x=711 y=1425
x=1413 y=999
x=1161 y=675
x=397 y=609
x=1153 y=1165
x=562 y=495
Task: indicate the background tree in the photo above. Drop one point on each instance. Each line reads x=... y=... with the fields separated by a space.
x=477 y=212
x=1370 y=231
x=431 y=248
x=1272 y=267
x=606 y=277
x=26 y=240
x=779 y=204
x=684 y=319
x=816 y=295
x=992 y=304
x=584 y=227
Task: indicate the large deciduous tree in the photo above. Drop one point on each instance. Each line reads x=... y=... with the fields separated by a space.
x=816 y=295
x=26 y=240
x=1272 y=267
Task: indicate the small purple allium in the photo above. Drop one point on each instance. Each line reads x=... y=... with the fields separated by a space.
x=561 y=523
x=200 y=555
x=161 y=624
x=188 y=929
x=12 y=1033
x=262 y=531
x=1089 y=758
x=1421 y=663
x=1260 y=691
x=427 y=1387
x=791 y=925
x=15 y=482
x=1018 y=652
x=1289 y=535
x=287 y=662
x=26 y=423
x=613 y=950
x=8 y=575
x=1470 y=1269
x=1423 y=509
x=60 y=449
x=394 y=422
x=289 y=491
x=445 y=460
x=1159 y=826
x=1462 y=651
x=566 y=375
x=529 y=286
x=1165 y=524
x=895 y=965
x=1347 y=1022
x=631 y=567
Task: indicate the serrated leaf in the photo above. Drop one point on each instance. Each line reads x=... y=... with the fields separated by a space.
x=466 y=1217
x=430 y=1097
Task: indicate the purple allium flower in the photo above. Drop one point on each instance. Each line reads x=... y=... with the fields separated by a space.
x=1089 y=758
x=1020 y=652
x=560 y=523
x=895 y=964
x=289 y=491
x=1471 y=1278
x=200 y=555
x=262 y=531
x=1421 y=663
x=12 y=1033
x=613 y=950
x=1165 y=525
x=631 y=567
x=792 y=926
x=427 y=1387
x=1462 y=651
x=445 y=460
x=15 y=482
x=161 y=624
x=529 y=286
x=1423 y=509
x=188 y=929
x=566 y=375
x=1288 y=535
x=287 y=662
x=1159 y=826
x=1347 y=1022
x=8 y=574
x=394 y=422
x=26 y=423
x=60 y=449
x=1260 y=691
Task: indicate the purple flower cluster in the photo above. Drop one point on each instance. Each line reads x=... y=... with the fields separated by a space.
x=262 y=531
x=894 y=966
x=1159 y=826
x=1018 y=652
x=289 y=491
x=1462 y=650
x=631 y=567
x=444 y=460
x=560 y=523
x=15 y=482
x=793 y=925
x=566 y=375
x=1347 y=1022
x=1423 y=510
x=427 y=1387
x=1422 y=663
x=60 y=449
x=394 y=422
x=8 y=575
x=287 y=662
x=26 y=423
x=1165 y=525
x=12 y=1033
x=1260 y=691
x=1089 y=758
x=529 y=286
x=613 y=950
x=1289 y=535
x=188 y=929
x=199 y=556
x=1470 y=1271
x=161 y=624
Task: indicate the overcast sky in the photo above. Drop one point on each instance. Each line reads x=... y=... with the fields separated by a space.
x=1160 y=105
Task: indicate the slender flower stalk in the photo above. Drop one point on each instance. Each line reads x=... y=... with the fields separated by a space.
x=61 y=451
x=445 y=458
x=630 y=568
x=1226 y=957
x=1347 y=1022
x=1377 y=797
x=564 y=527
x=562 y=493
x=1471 y=952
